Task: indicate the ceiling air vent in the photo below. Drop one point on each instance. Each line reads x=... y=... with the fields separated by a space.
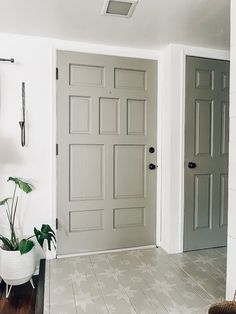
x=124 y=8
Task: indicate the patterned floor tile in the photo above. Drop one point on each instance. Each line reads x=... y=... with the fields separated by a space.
x=67 y=307
x=143 y=281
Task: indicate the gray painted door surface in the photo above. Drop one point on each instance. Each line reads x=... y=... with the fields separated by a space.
x=106 y=123
x=206 y=149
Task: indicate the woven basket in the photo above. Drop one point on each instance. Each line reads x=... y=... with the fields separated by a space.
x=225 y=307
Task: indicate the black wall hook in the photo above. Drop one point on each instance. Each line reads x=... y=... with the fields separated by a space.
x=7 y=60
x=22 y=122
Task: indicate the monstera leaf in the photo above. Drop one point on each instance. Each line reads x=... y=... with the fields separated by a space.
x=25 y=246
x=46 y=233
x=24 y=186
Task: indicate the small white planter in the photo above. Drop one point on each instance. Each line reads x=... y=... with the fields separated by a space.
x=16 y=269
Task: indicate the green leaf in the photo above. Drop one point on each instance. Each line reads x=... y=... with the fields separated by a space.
x=46 y=233
x=24 y=186
x=3 y=202
x=7 y=244
x=46 y=229
x=25 y=246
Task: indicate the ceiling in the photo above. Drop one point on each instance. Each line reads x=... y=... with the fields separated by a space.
x=154 y=24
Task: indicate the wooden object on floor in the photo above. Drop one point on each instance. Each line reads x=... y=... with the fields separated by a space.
x=40 y=289
x=21 y=299
x=24 y=299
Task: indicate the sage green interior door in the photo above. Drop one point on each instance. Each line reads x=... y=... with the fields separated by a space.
x=106 y=123
x=206 y=153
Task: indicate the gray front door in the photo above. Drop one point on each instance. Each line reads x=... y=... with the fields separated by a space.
x=106 y=123
x=206 y=153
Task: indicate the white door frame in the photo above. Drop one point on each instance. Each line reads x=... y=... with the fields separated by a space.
x=195 y=52
x=171 y=128
x=96 y=49
x=182 y=51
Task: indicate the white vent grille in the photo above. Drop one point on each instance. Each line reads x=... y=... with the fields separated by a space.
x=121 y=8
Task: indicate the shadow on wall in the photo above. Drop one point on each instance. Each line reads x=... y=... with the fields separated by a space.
x=8 y=156
x=9 y=153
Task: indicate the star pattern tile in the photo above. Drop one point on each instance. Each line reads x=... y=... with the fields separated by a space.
x=139 y=281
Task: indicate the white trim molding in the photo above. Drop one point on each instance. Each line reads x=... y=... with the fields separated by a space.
x=108 y=251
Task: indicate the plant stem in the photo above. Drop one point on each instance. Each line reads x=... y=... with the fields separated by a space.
x=13 y=209
x=13 y=220
x=14 y=214
x=8 y=213
x=13 y=200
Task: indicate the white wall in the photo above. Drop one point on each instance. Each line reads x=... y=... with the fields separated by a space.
x=33 y=66
x=231 y=257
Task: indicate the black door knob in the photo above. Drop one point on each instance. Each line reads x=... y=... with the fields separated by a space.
x=152 y=166
x=192 y=165
x=151 y=150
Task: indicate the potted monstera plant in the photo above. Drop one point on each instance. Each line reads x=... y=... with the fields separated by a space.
x=17 y=260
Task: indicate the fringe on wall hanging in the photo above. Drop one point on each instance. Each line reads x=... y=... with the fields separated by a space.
x=225 y=307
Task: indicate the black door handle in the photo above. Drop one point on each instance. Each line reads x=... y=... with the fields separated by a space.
x=192 y=165
x=151 y=150
x=152 y=166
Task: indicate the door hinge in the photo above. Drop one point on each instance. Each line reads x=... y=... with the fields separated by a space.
x=56 y=223
x=57 y=75
x=56 y=149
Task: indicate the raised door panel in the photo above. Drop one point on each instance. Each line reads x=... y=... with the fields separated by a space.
x=224 y=128
x=225 y=81
x=87 y=75
x=86 y=220
x=130 y=79
x=109 y=116
x=86 y=172
x=129 y=171
x=128 y=217
x=223 y=200
x=136 y=111
x=80 y=115
x=202 y=201
x=204 y=127
x=204 y=79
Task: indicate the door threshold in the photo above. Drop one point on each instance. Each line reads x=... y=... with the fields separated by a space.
x=107 y=251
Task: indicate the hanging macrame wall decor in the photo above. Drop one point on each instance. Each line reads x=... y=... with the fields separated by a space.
x=225 y=307
x=22 y=122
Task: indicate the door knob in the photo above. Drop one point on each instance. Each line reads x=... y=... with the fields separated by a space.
x=192 y=165
x=152 y=166
x=151 y=150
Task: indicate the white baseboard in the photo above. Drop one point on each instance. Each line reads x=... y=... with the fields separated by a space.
x=107 y=251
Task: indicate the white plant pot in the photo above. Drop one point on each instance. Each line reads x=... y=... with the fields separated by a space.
x=16 y=269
